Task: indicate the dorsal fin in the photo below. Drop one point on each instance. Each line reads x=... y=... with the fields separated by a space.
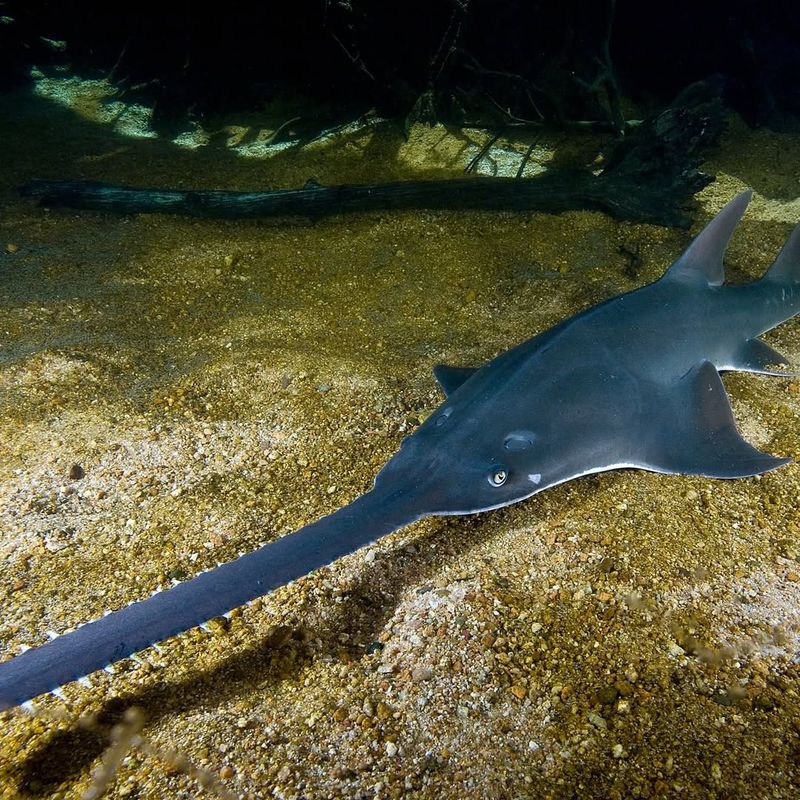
x=450 y=378
x=702 y=260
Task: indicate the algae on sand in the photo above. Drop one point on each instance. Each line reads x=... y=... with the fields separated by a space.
x=219 y=384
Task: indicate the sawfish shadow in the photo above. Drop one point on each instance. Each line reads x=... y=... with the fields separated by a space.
x=368 y=605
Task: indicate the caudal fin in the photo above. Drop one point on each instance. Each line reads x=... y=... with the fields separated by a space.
x=786 y=267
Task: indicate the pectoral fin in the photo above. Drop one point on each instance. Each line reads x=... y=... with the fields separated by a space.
x=450 y=378
x=694 y=432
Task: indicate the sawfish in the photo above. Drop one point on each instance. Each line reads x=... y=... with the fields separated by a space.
x=630 y=383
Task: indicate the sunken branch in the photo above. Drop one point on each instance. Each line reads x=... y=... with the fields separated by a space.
x=648 y=176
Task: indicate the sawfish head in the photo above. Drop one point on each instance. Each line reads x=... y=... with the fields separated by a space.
x=506 y=432
x=458 y=462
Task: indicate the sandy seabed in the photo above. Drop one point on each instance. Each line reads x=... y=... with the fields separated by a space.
x=175 y=392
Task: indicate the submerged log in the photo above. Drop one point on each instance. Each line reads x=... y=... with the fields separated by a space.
x=649 y=177
x=552 y=193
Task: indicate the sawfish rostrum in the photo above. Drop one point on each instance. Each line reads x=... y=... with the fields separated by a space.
x=632 y=382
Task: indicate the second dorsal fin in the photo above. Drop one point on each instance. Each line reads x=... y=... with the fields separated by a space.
x=702 y=260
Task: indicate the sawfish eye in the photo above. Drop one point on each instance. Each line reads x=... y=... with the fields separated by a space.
x=498 y=476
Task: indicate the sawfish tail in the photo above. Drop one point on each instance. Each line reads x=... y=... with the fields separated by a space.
x=779 y=289
x=122 y=633
x=786 y=267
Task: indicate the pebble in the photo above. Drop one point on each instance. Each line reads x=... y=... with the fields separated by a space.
x=419 y=674
x=608 y=695
x=391 y=749
x=218 y=625
x=763 y=703
x=76 y=472
x=624 y=688
x=56 y=540
x=597 y=720
x=786 y=548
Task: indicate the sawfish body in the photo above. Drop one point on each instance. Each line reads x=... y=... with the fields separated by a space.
x=632 y=382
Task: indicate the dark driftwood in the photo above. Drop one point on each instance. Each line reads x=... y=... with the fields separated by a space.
x=551 y=193
x=649 y=177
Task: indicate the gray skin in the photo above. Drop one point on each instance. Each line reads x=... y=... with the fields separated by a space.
x=632 y=382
